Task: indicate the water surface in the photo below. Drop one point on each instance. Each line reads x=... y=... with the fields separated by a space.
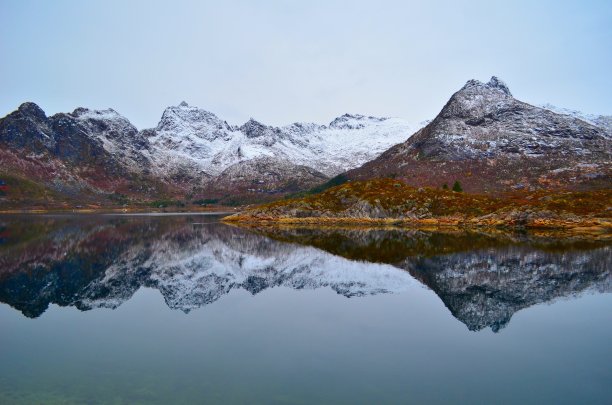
x=184 y=309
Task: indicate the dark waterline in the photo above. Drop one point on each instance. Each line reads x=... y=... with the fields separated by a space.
x=183 y=309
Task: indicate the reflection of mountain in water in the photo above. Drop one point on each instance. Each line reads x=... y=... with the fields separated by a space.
x=485 y=288
x=482 y=278
x=101 y=262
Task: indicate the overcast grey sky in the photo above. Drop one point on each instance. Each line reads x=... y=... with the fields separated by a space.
x=286 y=61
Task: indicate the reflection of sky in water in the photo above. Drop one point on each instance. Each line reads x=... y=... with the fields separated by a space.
x=279 y=327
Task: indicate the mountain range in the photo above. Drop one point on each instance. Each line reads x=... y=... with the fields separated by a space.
x=96 y=154
x=483 y=137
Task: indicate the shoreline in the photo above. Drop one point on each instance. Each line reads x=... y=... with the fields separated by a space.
x=586 y=225
x=112 y=211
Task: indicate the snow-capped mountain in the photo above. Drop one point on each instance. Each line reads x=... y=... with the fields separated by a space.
x=83 y=153
x=483 y=137
x=118 y=136
x=490 y=142
x=192 y=138
x=190 y=150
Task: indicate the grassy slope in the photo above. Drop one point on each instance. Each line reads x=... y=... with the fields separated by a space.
x=393 y=200
x=23 y=192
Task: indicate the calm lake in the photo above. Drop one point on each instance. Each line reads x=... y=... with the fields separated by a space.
x=184 y=309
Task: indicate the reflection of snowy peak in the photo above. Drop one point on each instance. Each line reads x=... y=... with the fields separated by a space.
x=190 y=275
x=190 y=265
x=485 y=289
x=482 y=278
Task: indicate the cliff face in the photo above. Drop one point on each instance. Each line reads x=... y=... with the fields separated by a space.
x=84 y=155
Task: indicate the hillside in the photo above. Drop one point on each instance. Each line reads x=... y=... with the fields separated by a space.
x=389 y=201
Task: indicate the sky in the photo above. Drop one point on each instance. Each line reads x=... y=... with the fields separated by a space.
x=286 y=61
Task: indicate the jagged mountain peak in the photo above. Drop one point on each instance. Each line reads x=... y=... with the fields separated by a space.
x=107 y=114
x=354 y=121
x=254 y=129
x=495 y=84
x=184 y=118
x=33 y=110
x=477 y=99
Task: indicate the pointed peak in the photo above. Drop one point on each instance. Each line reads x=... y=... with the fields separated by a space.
x=32 y=109
x=175 y=118
x=87 y=113
x=494 y=83
x=253 y=128
x=253 y=121
x=497 y=83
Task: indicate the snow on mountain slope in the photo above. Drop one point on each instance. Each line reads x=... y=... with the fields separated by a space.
x=189 y=138
x=490 y=142
x=190 y=150
x=116 y=133
x=601 y=121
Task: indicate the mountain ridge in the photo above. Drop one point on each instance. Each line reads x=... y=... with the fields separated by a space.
x=191 y=151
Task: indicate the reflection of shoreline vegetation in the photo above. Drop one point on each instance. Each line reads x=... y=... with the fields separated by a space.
x=393 y=244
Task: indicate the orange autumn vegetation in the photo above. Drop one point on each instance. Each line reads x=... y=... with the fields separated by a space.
x=392 y=201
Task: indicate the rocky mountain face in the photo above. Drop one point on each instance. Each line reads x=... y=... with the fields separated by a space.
x=191 y=151
x=80 y=153
x=490 y=141
x=601 y=121
x=483 y=278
